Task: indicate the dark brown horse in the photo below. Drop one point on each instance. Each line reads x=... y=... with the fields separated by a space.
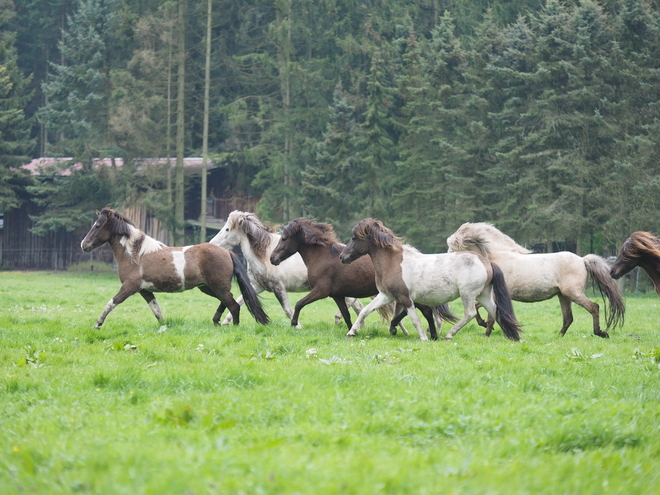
x=328 y=276
x=640 y=249
x=147 y=266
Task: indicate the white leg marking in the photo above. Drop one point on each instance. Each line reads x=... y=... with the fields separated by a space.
x=380 y=300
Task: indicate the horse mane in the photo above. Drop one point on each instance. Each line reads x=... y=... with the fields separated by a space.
x=373 y=229
x=258 y=233
x=311 y=232
x=641 y=245
x=135 y=242
x=485 y=237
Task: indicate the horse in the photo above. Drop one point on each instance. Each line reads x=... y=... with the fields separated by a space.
x=537 y=277
x=405 y=275
x=640 y=249
x=328 y=277
x=257 y=242
x=146 y=265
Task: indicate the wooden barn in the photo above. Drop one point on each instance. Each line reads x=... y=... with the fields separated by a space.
x=20 y=249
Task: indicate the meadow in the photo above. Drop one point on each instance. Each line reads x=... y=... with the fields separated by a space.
x=185 y=407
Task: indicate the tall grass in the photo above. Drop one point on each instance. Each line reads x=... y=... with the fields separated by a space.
x=186 y=407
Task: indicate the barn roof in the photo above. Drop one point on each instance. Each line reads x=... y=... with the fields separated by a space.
x=58 y=166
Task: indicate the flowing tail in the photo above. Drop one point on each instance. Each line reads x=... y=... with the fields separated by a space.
x=599 y=272
x=504 y=314
x=249 y=294
x=444 y=312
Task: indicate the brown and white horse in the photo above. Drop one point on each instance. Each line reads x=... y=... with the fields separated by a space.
x=640 y=249
x=147 y=266
x=536 y=277
x=407 y=276
x=328 y=277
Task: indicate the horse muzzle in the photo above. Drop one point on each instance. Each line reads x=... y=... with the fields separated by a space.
x=275 y=261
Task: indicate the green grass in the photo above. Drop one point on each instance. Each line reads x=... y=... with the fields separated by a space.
x=187 y=407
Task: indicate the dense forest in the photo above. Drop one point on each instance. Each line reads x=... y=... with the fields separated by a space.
x=541 y=117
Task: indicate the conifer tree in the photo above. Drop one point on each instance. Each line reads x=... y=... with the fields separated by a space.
x=15 y=142
x=79 y=89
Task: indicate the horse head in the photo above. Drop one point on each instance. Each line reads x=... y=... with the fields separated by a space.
x=367 y=233
x=302 y=232
x=108 y=223
x=640 y=248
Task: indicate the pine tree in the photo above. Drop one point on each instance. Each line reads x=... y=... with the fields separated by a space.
x=15 y=142
x=328 y=183
x=79 y=90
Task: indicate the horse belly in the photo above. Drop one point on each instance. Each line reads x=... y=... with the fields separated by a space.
x=160 y=276
x=531 y=277
x=432 y=284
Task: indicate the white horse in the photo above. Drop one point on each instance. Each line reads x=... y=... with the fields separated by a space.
x=257 y=242
x=537 y=277
x=406 y=276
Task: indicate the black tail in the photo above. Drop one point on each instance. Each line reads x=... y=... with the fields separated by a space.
x=504 y=314
x=444 y=312
x=249 y=294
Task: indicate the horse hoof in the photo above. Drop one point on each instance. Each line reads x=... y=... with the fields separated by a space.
x=349 y=336
x=448 y=338
x=392 y=331
x=602 y=334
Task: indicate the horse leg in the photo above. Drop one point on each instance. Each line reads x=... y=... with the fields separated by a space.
x=470 y=312
x=379 y=301
x=343 y=309
x=314 y=295
x=226 y=301
x=427 y=312
x=481 y=322
x=400 y=314
x=594 y=309
x=240 y=301
x=490 y=323
x=283 y=298
x=119 y=298
x=566 y=313
x=153 y=304
x=414 y=317
x=351 y=302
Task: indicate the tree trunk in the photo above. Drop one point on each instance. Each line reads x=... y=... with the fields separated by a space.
x=178 y=171
x=205 y=137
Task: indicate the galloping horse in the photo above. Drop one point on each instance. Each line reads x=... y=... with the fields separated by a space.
x=328 y=277
x=537 y=277
x=405 y=275
x=640 y=249
x=257 y=242
x=147 y=266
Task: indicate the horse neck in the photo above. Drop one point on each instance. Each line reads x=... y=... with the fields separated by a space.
x=652 y=267
x=123 y=259
x=312 y=253
x=384 y=259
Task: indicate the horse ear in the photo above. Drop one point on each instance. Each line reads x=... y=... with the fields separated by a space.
x=98 y=213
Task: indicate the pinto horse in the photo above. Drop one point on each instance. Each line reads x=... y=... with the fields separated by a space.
x=640 y=249
x=147 y=266
x=328 y=277
x=537 y=277
x=406 y=276
x=257 y=242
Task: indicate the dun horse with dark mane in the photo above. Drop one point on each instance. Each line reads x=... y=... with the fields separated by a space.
x=147 y=266
x=640 y=249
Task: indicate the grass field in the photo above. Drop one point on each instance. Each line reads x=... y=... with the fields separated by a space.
x=190 y=408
